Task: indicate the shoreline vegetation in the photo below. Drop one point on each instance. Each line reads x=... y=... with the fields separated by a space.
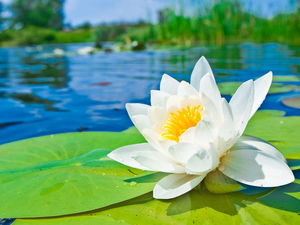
x=223 y=23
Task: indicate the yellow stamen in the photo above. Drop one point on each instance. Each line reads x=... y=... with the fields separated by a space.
x=178 y=123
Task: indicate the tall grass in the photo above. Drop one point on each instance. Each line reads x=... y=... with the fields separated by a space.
x=225 y=21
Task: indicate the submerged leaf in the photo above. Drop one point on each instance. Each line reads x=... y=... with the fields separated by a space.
x=292 y=102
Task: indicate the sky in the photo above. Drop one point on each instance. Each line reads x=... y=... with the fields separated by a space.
x=99 y=11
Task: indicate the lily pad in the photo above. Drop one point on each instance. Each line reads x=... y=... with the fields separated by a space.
x=292 y=102
x=57 y=175
x=229 y=88
x=67 y=173
x=285 y=78
x=271 y=206
x=273 y=127
x=279 y=88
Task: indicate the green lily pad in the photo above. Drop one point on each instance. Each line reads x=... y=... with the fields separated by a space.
x=229 y=88
x=279 y=88
x=285 y=78
x=292 y=102
x=282 y=132
x=59 y=174
x=67 y=173
x=271 y=206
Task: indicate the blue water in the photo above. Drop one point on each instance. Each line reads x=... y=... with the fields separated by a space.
x=42 y=94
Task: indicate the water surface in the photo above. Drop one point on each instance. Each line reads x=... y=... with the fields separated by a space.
x=42 y=94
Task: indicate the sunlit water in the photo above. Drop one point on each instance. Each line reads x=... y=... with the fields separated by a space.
x=42 y=94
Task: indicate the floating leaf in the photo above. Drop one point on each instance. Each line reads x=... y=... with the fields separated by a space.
x=269 y=206
x=292 y=102
x=131 y=130
x=229 y=88
x=67 y=173
x=279 y=88
x=27 y=166
x=282 y=132
x=285 y=78
x=218 y=183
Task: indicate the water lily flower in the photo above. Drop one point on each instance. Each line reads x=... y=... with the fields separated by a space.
x=192 y=131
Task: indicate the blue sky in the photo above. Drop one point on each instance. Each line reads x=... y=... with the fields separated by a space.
x=99 y=11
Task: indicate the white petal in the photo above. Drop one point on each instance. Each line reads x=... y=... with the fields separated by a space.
x=175 y=185
x=227 y=110
x=206 y=131
x=227 y=133
x=209 y=87
x=256 y=168
x=156 y=115
x=261 y=88
x=210 y=109
x=186 y=90
x=152 y=139
x=166 y=144
x=254 y=143
x=156 y=161
x=201 y=68
x=123 y=154
x=169 y=85
x=141 y=122
x=134 y=109
x=174 y=102
x=188 y=135
x=182 y=152
x=159 y=98
x=203 y=161
x=241 y=104
x=199 y=163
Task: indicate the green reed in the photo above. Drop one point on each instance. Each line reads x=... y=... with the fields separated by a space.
x=224 y=21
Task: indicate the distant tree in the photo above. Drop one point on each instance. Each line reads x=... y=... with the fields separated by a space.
x=41 y=13
x=85 y=26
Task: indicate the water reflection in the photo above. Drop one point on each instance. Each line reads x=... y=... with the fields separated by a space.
x=54 y=74
x=55 y=94
x=32 y=99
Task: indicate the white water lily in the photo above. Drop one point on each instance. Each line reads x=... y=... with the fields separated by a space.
x=191 y=131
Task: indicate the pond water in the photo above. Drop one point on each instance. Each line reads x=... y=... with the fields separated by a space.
x=42 y=93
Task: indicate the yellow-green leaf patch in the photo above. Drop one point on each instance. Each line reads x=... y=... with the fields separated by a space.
x=269 y=206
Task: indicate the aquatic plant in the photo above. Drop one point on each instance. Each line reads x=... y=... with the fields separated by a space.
x=191 y=131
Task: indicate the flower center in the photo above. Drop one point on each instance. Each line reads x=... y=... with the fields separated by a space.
x=178 y=123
